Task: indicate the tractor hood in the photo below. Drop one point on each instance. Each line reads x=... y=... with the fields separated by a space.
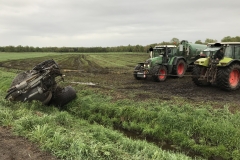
x=155 y=60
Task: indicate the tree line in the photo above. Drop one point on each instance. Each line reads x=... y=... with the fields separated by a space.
x=129 y=48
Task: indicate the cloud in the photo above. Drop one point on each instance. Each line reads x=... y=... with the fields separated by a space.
x=113 y=23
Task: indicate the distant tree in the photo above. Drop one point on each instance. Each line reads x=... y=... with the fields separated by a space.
x=175 y=41
x=231 y=39
x=198 y=42
x=210 y=41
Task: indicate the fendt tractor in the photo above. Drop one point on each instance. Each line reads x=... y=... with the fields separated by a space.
x=169 y=60
x=221 y=66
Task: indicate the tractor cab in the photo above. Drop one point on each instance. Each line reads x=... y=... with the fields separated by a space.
x=163 y=53
x=164 y=50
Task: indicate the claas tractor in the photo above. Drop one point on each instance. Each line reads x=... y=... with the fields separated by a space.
x=169 y=60
x=220 y=67
x=41 y=84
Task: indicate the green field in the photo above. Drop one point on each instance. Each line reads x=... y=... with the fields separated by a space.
x=110 y=121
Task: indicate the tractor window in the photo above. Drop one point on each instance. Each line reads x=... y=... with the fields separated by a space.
x=228 y=52
x=157 y=52
x=237 y=52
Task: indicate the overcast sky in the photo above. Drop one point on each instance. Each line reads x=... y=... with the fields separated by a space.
x=107 y=23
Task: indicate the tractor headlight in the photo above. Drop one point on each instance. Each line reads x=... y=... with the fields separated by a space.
x=146 y=65
x=196 y=62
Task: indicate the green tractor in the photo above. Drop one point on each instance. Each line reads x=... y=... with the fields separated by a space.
x=221 y=67
x=169 y=60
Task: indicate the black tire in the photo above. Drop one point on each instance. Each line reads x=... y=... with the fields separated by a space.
x=180 y=68
x=159 y=73
x=62 y=96
x=137 y=67
x=20 y=77
x=197 y=71
x=228 y=78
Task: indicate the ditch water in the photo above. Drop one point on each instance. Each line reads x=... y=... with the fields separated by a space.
x=167 y=146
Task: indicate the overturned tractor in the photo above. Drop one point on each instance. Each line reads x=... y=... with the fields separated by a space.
x=41 y=84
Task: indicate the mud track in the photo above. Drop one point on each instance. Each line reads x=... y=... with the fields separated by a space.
x=125 y=86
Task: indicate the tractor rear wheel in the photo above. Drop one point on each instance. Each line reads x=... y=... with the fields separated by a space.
x=228 y=78
x=159 y=73
x=197 y=72
x=180 y=68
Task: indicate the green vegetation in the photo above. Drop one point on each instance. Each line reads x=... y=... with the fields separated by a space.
x=203 y=130
x=70 y=137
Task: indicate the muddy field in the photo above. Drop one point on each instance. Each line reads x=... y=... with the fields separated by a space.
x=122 y=85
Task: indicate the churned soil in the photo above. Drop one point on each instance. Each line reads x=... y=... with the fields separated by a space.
x=18 y=148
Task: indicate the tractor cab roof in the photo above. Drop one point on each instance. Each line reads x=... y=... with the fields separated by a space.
x=165 y=46
x=211 y=49
x=223 y=44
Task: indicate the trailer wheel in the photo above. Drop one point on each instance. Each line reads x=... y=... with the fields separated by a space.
x=228 y=77
x=159 y=73
x=180 y=68
x=62 y=96
x=197 y=72
x=137 y=67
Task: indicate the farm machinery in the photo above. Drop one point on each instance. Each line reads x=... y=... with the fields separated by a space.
x=221 y=67
x=169 y=60
x=40 y=83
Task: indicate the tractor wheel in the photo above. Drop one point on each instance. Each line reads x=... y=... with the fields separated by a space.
x=228 y=77
x=159 y=73
x=180 y=68
x=137 y=67
x=197 y=72
x=62 y=96
x=20 y=77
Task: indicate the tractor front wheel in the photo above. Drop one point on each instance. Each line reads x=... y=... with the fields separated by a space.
x=159 y=73
x=198 y=72
x=180 y=68
x=228 y=77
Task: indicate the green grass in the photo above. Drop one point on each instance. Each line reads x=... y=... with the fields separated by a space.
x=81 y=61
x=6 y=56
x=71 y=137
x=204 y=130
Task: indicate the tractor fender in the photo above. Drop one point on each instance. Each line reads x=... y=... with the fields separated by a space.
x=231 y=62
